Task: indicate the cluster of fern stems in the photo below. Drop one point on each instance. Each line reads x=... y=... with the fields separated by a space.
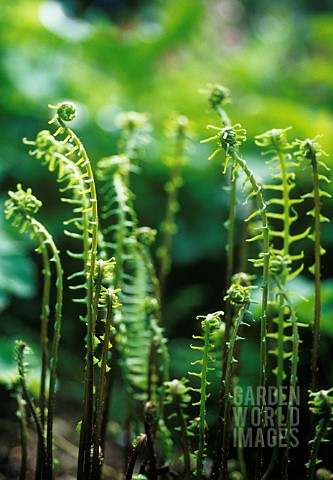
x=121 y=283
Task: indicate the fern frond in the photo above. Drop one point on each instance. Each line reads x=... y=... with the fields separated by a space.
x=21 y=207
x=321 y=405
x=308 y=152
x=209 y=324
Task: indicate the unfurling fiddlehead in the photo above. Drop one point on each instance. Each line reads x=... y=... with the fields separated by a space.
x=209 y=324
x=66 y=112
x=321 y=405
x=229 y=139
x=308 y=152
x=21 y=207
x=177 y=395
x=239 y=296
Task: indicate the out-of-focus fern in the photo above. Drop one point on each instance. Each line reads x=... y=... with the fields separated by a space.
x=179 y=129
x=139 y=338
x=239 y=296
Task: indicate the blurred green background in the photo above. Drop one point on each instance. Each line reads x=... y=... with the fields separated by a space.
x=157 y=57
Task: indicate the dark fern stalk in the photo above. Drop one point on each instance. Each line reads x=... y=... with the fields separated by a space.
x=21 y=413
x=229 y=139
x=239 y=296
x=209 y=324
x=138 y=446
x=321 y=404
x=293 y=376
x=109 y=301
x=43 y=331
x=310 y=150
x=21 y=350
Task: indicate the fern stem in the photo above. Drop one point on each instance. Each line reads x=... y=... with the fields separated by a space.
x=209 y=323
x=44 y=349
x=293 y=376
x=317 y=267
x=55 y=344
x=228 y=390
x=20 y=348
x=84 y=462
x=47 y=239
x=279 y=380
x=140 y=444
x=101 y=389
x=185 y=441
x=230 y=225
x=24 y=435
x=264 y=287
x=202 y=414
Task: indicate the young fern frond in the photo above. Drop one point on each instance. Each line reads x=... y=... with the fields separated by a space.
x=209 y=324
x=21 y=207
x=218 y=97
x=109 y=300
x=294 y=358
x=177 y=395
x=138 y=445
x=66 y=112
x=229 y=139
x=281 y=162
x=321 y=405
x=239 y=295
x=53 y=154
x=308 y=152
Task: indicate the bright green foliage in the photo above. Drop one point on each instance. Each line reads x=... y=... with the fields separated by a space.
x=283 y=205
